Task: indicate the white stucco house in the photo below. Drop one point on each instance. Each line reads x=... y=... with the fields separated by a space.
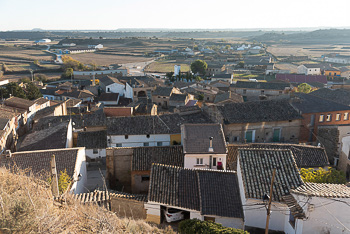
x=210 y=195
x=71 y=160
x=318 y=208
x=204 y=146
x=309 y=69
x=137 y=131
x=254 y=170
x=113 y=85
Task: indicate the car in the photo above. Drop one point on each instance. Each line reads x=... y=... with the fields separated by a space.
x=173 y=215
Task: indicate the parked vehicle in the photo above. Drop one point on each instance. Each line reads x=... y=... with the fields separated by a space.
x=172 y=215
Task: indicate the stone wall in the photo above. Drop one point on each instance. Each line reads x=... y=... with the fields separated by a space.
x=118 y=164
x=128 y=208
x=328 y=136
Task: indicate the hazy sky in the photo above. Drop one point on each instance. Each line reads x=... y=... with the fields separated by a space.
x=113 y=14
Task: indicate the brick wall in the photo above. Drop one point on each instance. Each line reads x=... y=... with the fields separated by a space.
x=306 y=125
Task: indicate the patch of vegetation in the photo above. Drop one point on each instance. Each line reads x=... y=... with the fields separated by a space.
x=27 y=206
x=190 y=226
x=321 y=175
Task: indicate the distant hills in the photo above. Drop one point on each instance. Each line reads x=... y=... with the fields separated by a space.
x=321 y=36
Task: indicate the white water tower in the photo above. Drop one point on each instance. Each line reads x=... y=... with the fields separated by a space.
x=177 y=69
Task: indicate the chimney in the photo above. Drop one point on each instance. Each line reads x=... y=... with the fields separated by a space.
x=211 y=149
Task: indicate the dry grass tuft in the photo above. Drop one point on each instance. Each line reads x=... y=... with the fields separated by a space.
x=26 y=205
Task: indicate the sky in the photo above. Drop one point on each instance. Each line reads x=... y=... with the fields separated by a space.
x=188 y=14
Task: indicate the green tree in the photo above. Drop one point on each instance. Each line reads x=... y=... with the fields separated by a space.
x=198 y=78
x=199 y=66
x=169 y=75
x=241 y=64
x=41 y=77
x=304 y=88
x=14 y=89
x=64 y=181
x=321 y=175
x=33 y=92
x=189 y=226
x=25 y=80
x=68 y=73
x=201 y=97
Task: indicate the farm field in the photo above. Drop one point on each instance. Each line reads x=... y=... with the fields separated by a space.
x=282 y=50
x=107 y=59
x=166 y=66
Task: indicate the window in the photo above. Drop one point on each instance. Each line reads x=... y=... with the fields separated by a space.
x=144 y=178
x=158 y=96
x=207 y=98
x=337 y=117
x=262 y=92
x=159 y=143
x=95 y=151
x=126 y=136
x=321 y=119
x=280 y=92
x=146 y=144
x=108 y=90
x=346 y=116
x=199 y=161
x=214 y=162
x=250 y=136
x=147 y=136
x=244 y=91
x=329 y=118
x=118 y=145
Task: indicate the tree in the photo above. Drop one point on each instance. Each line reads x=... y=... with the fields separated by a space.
x=14 y=89
x=198 y=79
x=241 y=64
x=321 y=175
x=169 y=75
x=64 y=181
x=33 y=92
x=41 y=77
x=201 y=97
x=199 y=66
x=68 y=73
x=304 y=88
x=25 y=80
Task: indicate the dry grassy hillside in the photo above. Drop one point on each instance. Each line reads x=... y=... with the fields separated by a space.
x=26 y=205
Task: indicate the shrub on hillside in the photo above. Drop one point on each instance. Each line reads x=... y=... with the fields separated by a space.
x=190 y=226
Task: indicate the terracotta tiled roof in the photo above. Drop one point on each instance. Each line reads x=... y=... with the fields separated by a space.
x=19 y=103
x=92 y=140
x=54 y=137
x=211 y=192
x=39 y=160
x=257 y=167
x=323 y=190
x=305 y=155
x=259 y=111
x=295 y=208
x=341 y=96
x=99 y=196
x=196 y=138
x=143 y=157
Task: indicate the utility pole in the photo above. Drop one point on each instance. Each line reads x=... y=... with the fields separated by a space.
x=269 y=205
x=54 y=180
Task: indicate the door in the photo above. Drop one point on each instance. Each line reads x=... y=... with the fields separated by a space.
x=249 y=136
x=276 y=134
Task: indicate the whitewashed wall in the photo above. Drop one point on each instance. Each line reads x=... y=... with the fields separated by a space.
x=191 y=160
x=138 y=140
